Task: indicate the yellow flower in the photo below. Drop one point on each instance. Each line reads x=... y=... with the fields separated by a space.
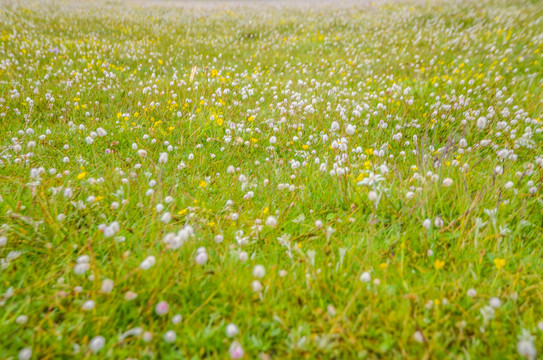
x=219 y=121
x=81 y=175
x=500 y=263
x=251 y=118
x=438 y=264
x=203 y=184
x=383 y=265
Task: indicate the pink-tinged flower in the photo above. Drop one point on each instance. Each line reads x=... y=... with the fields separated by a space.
x=161 y=308
x=236 y=351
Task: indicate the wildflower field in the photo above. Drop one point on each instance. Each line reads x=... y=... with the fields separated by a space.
x=184 y=180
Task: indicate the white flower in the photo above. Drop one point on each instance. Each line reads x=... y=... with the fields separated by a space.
x=81 y=268
x=68 y=193
x=130 y=295
x=495 y=302
x=97 y=343
x=148 y=263
x=83 y=259
x=177 y=318
x=201 y=256
x=163 y=158
x=142 y=153
x=481 y=122
x=418 y=336
x=109 y=232
x=231 y=330
x=256 y=285
x=25 y=354
x=147 y=336
x=472 y=292
x=526 y=349
x=166 y=217
x=447 y=182
x=525 y=345
x=371 y=180
x=243 y=256
x=479 y=223
x=88 y=305
x=271 y=221
x=365 y=277
x=259 y=271
x=427 y=223
x=170 y=336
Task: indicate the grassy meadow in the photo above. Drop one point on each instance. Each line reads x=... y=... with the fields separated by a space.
x=274 y=181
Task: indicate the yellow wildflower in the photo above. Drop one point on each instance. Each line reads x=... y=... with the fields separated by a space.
x=500 y=263
x=438 y=264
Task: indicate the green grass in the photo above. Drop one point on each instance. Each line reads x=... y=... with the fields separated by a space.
x=414 y=79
